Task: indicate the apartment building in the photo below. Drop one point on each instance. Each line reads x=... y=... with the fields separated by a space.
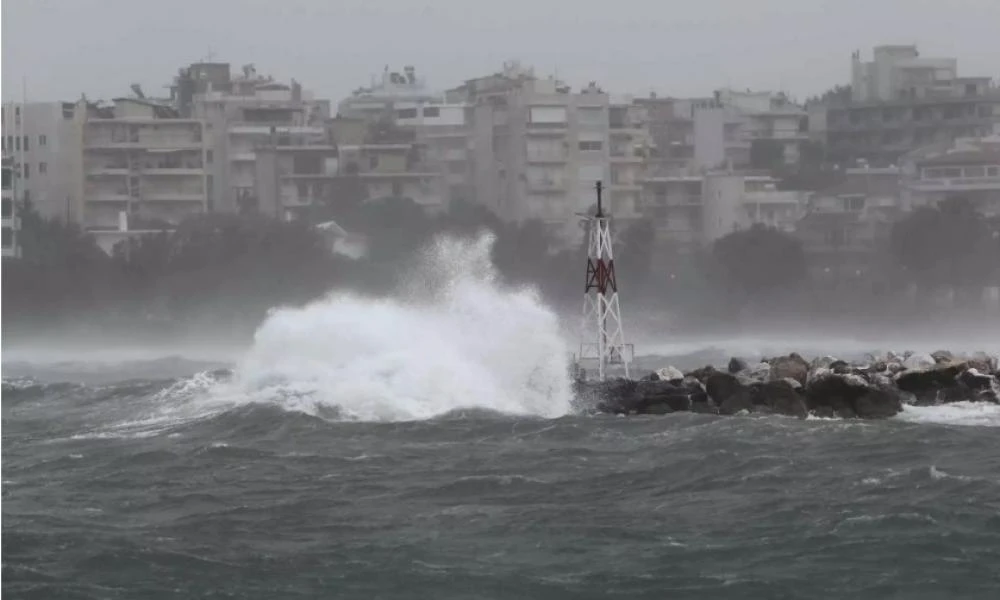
x=8 y=213
x=41 y=138
x=243 y=113
x=383 y=161
x=629 y=145
x=444 y=131
x=901 y=102
x=703 y=134
x=845 y=229
x=141 y=167
x=391 y=90
x=538 y=148
x=692 y=211
x=970 y=171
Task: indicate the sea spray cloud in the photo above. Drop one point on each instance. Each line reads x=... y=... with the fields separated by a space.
x=453 y=339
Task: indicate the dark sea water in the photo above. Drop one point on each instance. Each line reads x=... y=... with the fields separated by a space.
x=105 y=497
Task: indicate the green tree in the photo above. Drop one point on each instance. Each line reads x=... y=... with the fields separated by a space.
x=759 y=259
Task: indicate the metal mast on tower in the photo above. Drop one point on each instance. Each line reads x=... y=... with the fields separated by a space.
x=601 y=335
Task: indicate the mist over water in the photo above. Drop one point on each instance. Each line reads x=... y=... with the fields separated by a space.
x=453 y=339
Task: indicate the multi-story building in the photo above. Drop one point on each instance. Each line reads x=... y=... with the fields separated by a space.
x=243 y=113
x=538 y=148
x=703 y=134
x=629 y=147
x=385 y=162
x=444 y=131
x=970 y=171
x=41 y=138
x=382 y=98
x=846 y=228
x=690 y=212
x=900 y=103
x=8 y=214
x=141 y=167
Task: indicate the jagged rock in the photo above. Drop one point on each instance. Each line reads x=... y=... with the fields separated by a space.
x=702 y=374
x=721 y=386
x=982 y=388
x=737 y=364
x=657 y=397
x=933 y=385
x=822 y=362
x=942 y=357
x=849 y=396
x=840 y=367
x=738 y=401
x=919 y=361
x=793 y=366
x=669 y=373
x=982 y=362
x=781 y=397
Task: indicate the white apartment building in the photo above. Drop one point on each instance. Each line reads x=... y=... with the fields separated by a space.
x=392 y=90
x=444 y=131
x=41 y=138
x=538 y=149
x=629 y=146
x=690 y=212
x=968 y=171
x=899 y=72
x=142 y=167
x=243 y=113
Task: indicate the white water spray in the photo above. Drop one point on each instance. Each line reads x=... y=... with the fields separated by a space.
x=457 y=340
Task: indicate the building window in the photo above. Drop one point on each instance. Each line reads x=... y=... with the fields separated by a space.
x=590 y=146
x=208 y=157
x=432 y=111
x=992 y=171
x=17 y=143
x=8 y=237
x=8 y=208
x=26 y=144
x=407 y=113
x=27 y=171
x=975 y=171
x=42 y=140
x=10 y=143
x=43 y=168
x=373 y=161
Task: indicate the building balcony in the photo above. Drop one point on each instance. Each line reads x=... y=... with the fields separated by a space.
x=106 y=196
x=956 y=184
x=107 y=171
x=784 y=198
x=546 y=129
x=175 y=171
x=626 y=157
x=172 y=196
x=547 y=158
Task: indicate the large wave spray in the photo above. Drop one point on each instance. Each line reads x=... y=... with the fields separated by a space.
x=455 y=340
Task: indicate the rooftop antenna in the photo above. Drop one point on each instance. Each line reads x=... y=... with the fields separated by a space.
x=601 y=335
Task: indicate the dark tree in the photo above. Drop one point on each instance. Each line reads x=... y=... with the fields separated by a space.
x=759 y=259
x=949 y=244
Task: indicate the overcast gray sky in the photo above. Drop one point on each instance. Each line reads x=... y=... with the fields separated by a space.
x=65 y=47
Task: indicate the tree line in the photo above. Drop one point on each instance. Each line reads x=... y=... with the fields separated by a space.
x=227 y=271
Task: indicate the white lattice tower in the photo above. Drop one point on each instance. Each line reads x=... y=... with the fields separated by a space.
x=602 y=337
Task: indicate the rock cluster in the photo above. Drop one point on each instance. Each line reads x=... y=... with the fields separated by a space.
x=790 y=385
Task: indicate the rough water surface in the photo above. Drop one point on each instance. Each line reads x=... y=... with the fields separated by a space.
x=259 y=500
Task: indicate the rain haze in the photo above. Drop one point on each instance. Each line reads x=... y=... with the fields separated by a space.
x=522 y=299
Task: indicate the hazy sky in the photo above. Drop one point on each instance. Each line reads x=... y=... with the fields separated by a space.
x=99 y=47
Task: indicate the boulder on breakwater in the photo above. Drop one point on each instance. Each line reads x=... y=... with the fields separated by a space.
x=875 y=388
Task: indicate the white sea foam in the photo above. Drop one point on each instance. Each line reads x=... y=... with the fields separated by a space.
x=955 y=413
x=455 y=340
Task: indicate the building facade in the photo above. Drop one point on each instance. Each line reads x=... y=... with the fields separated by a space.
x=41 y=138
x=901 y=102
x=8 y=213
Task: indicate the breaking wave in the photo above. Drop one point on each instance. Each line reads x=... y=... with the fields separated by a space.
x=955 y=413
x=456 y=339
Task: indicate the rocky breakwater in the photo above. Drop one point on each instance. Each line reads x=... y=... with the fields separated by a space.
x=875 y=388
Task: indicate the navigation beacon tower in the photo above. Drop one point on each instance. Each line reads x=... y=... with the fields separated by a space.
x=601 y=335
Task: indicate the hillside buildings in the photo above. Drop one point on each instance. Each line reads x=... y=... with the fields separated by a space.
x=901 y=102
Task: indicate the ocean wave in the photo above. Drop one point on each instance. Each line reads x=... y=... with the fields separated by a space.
x=983 y=414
